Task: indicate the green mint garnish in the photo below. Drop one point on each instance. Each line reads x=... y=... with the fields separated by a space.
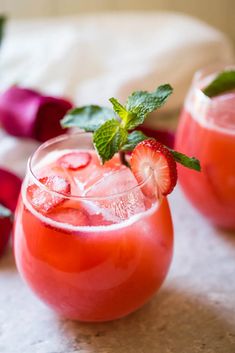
x=120 y=110
x=189 y=162
x=2 y=26
x=88 y=118
x=224 y=82
x=133 y=139
x=141 y=103
x=109 y=138
x=4 y=212
x=113 y=129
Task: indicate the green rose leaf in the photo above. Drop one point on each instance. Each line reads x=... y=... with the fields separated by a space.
x=4 y=212
x=2 y=26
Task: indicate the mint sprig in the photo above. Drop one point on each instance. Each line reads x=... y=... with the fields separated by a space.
x=141 y=103
x=223 y=82
x=113 y=129
x=133 y=139
x=109 y=139
x=189 y=162
x=88 y=118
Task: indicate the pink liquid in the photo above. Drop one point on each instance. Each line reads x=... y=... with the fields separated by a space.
x=210 y=136
x=107 y=266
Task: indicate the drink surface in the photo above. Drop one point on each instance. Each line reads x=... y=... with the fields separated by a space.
x=207 y=131
x=96 y=257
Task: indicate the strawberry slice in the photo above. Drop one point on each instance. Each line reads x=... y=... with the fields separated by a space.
x=74 y=160
x=69 y=215
x=151 y=156
x=44 y=201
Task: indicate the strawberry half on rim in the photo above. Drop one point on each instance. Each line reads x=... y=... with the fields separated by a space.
x=150 y=156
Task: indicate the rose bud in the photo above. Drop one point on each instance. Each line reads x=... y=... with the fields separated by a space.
x=5 y=227
x=28 y=113
x=10 y=185
x=167 y=137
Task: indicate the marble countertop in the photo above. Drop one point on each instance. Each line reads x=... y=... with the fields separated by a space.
x=193 y=312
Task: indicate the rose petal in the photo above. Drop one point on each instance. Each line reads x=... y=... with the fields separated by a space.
x=10 y=185
x=28 y=113
x=5 y=227
x=50 y=112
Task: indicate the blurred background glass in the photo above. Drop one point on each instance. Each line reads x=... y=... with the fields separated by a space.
x=218 y=13
x=207 y=130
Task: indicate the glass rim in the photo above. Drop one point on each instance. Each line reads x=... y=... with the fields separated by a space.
x=64 y=137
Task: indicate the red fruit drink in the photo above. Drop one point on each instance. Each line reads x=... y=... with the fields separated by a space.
x=207 y=131
x=89 y=240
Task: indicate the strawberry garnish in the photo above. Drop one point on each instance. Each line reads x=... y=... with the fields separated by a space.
x=150 y=156
x=44 y=201
x=74 y=160
x=69 y=215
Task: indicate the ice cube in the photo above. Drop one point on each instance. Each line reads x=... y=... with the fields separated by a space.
x=122 y=197
x=94 y=172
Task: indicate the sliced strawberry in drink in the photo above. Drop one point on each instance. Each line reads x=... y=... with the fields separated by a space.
x=150 y=156
x=69 y=215
x=44 y=201
x=74 y=160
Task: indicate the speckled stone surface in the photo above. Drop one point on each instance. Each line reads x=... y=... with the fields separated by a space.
x=194 y=311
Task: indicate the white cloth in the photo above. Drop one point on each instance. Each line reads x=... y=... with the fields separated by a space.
x=94 y=57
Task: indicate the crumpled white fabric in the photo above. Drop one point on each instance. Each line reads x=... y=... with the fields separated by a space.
x=91 y=58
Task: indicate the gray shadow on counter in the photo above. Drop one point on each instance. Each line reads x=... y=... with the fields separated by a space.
x=173 y=322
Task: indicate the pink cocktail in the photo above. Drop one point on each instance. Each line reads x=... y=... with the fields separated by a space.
x=89 y=240
x=207 y=131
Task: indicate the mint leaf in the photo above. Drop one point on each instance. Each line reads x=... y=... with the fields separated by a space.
x=127 y=117
x=141 y=103
x=4 y=212
x=2 y=26
x=224 y=82
x=88 y=118
x=133 y=139
x=189 y=162
x=109 y=138
x=119 y=109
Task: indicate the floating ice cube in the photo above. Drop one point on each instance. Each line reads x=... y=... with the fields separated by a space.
x=118 y=197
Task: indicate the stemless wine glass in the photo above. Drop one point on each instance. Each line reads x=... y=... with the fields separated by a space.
x=94 y=257
x=207 y=131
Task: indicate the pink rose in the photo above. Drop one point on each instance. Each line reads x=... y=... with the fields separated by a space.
x=5 y=227
x=28 y=113
x=10 y=185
